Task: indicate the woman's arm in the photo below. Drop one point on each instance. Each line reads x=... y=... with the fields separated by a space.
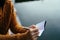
x=17 y=28
x=14 y=26
x=23 y=36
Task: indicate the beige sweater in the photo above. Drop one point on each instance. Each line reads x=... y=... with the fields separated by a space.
x=8 y=20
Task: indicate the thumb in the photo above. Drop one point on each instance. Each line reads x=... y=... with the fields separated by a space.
x=32 y=26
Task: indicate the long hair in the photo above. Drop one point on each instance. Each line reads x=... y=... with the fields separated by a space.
x=2 y=3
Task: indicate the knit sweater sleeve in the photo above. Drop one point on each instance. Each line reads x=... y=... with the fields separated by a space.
x=14 y=25
x=23 y=36
x=17 y=28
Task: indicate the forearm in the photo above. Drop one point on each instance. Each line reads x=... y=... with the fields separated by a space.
x=15 y=26
x=17 y=29
x=7 y=37
x=23 y=36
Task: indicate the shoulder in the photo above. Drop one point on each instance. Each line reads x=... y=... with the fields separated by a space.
x=8 y=3
x=8 y=6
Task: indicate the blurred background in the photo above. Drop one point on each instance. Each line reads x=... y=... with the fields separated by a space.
x=32 y=12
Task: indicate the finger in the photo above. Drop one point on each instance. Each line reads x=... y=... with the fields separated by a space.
x=32 y=26
x=36 y=38
x=34 y=30
x=36 y=33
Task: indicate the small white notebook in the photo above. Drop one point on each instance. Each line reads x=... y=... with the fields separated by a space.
x=40 y=27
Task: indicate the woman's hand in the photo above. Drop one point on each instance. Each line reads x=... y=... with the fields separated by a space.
x=34 y=31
